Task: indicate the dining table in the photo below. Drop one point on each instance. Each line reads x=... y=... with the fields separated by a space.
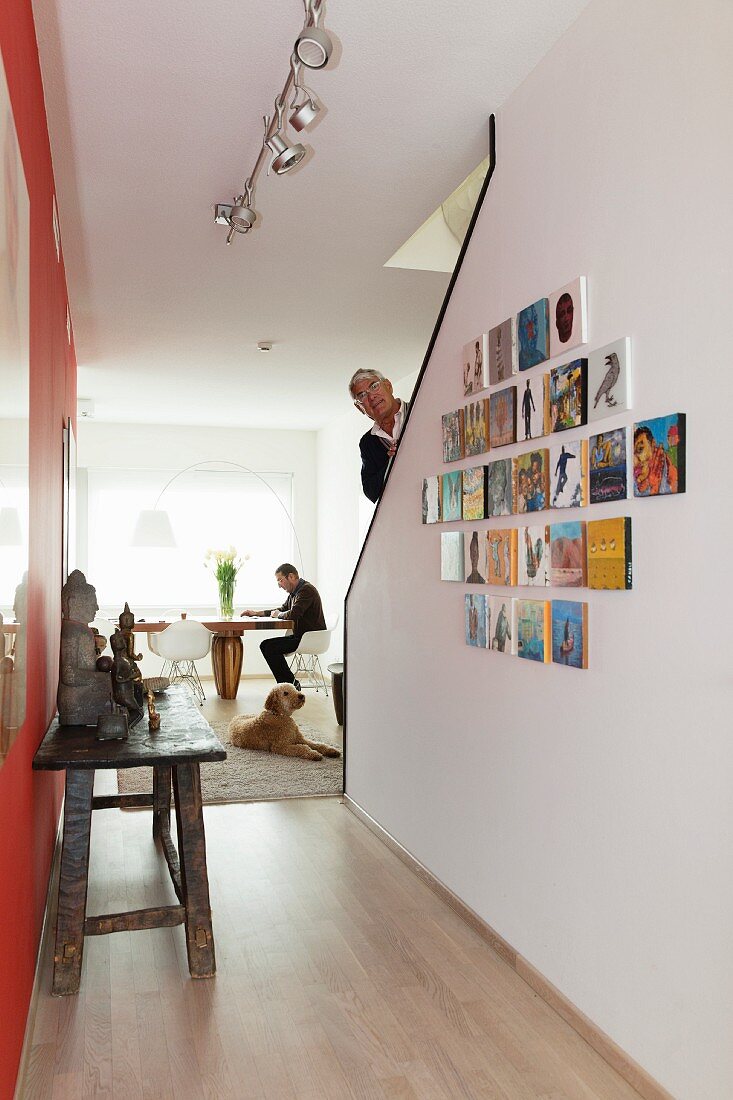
x=227 y=648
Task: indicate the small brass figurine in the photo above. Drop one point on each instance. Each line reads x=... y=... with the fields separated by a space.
x=153 y=716
x=127 y=681
x=84 y=691
x=127 y=622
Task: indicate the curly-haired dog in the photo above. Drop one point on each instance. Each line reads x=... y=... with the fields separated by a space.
x=275 y=731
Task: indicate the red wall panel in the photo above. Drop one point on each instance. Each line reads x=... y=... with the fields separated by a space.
x=30 y=802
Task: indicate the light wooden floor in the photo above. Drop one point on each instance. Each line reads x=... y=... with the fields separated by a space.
x=339 y=975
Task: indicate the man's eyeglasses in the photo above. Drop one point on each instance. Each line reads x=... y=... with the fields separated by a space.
x=371 y=388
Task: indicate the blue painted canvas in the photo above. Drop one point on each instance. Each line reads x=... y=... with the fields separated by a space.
x=534 y=334
x=659 y=456
x=570 y=633
x=476 y=621
x=607 y=461
x=453 y=495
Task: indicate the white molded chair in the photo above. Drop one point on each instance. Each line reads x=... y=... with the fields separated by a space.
x=305 y=665
x=180 y=645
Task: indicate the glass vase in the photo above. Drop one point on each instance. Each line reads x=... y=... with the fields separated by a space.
x=226 y=600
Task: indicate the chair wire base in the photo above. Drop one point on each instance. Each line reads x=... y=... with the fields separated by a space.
x=306 y=668
x=184 y=672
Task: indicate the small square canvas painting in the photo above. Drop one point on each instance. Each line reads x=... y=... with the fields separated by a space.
x=503 y=357
x=531 y=481
x=659 y=456
x=533 y=334
x=533 y=555
x=533 y=412
x=532 y=629
x=476 y=364
x=476 y=621
x=503 y=417
x=568 y=394
x=474 y=564
x=451 y=556
x=500 y=636
x=568 y=320
x=476 y=428
x=453 y=495
x=568 y=465
x=570 y=633
x=432 y=492
x=453 y=436
x=567 y=554
x=609 y=380
x=501 y=556
x=607 y=461
x=609 y=553
x=474 y=492
x=500 y=488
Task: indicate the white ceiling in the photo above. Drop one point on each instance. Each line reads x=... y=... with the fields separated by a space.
x=155 y=114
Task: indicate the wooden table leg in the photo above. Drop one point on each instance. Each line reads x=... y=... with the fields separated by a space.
x=161 y=798
x=227 y=654
x=194 y=876
x=67 y=957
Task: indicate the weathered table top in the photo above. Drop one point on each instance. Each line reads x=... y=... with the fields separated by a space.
x=236 y=627
x=184 y=737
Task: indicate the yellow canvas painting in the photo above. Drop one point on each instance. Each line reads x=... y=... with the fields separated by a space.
x=609 y=553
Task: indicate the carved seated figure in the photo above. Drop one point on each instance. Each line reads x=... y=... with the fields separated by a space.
x=127 y=682
x=84 y=692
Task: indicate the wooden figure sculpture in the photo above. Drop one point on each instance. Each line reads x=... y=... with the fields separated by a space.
x=85 y=691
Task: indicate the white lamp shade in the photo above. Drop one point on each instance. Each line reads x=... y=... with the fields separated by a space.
x=153 y=528
x=10 y=527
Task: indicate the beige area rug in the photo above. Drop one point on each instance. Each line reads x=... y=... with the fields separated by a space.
x=250 y=776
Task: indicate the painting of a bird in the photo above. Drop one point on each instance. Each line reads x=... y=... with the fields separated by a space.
x=609 y=380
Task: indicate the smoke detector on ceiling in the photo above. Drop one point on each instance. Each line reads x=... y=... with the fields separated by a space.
x=85 y=407
x=264 y=345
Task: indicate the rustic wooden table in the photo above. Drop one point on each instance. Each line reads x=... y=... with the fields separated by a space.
x=175 y=751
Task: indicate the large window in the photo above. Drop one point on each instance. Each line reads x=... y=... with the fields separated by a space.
x=208 y=508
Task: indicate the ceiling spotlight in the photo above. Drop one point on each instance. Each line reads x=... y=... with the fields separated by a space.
x=285 y=156
x=303 y=114
x=242 y=216
x=264 y=345
x=313 y=46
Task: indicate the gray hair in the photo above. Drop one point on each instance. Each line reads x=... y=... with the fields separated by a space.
x=358 y=375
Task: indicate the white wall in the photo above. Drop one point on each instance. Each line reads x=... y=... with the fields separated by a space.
x=344 y=513
x=586 y=816
x=168 y=447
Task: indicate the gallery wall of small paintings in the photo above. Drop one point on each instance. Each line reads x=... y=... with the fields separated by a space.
x=573 y=473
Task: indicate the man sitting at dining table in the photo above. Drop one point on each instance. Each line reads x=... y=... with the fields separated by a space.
x=303 y=606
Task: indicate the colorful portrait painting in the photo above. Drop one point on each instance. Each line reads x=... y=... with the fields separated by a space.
x=476 y=364
x=568 y=392
x=500 y=494
x=476 y=621
x=532 y=626
x=568 y=321
x=453 y=436
x=452 y=500
x=607 y=462
x=568 y=465
x=533 y=411
x=476 y=428
x=533 y=555
x=474 y=564
x=500 y=632
x=567 y=554
x=451 y=556
x=501 y=556
x=432 y=493
x=531 y=481
x=609 y=553
x=503 y=417
x=659 y=456
x=570 y=633
x=474 y=492
x=533 y=334
x=503 y=357
x=609 y=380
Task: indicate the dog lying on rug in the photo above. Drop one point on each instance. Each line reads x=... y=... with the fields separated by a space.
x=275 y=731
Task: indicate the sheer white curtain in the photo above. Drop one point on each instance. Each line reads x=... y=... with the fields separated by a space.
x=208 y=508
